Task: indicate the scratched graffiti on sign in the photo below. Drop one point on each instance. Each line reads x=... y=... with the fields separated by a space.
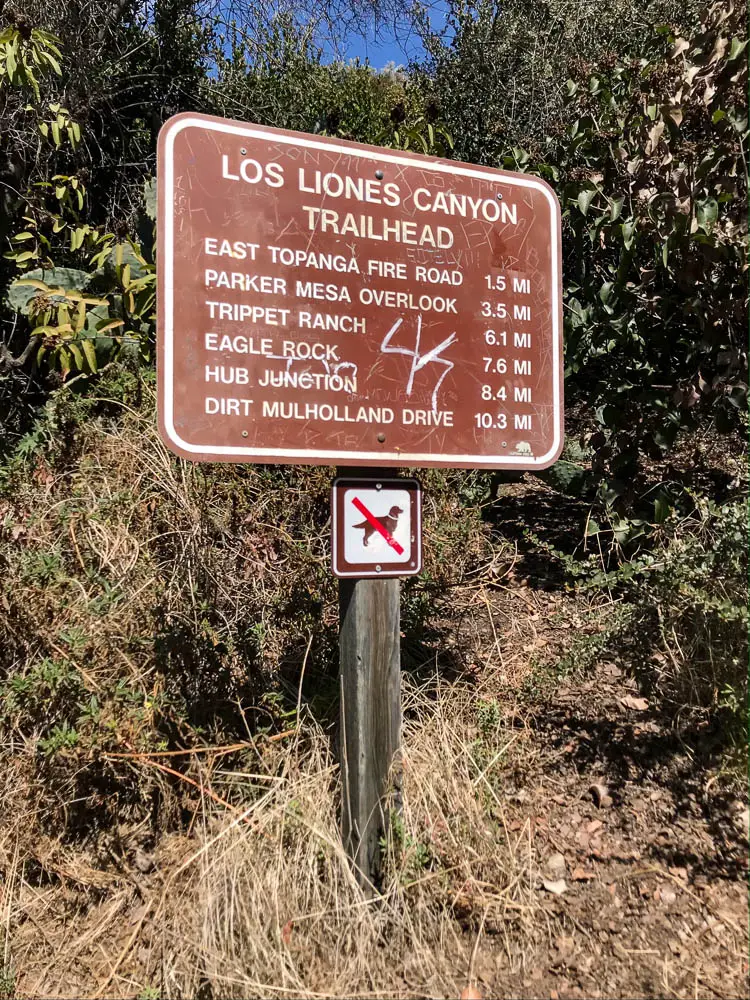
x=332 y=303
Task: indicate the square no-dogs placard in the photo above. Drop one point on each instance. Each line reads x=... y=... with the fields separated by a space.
x=377 y=527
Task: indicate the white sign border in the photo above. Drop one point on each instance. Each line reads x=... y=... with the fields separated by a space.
x=387 y=483
x=178 y=124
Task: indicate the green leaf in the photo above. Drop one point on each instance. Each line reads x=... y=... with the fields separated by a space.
x=10 y=60
x=628 y=233
x=53 y=62
x=592 y=527
x=76 y=352
x=584 y=200
x=108 y=324
x=661 y=510
x=149 y=198
x=615 y=207
x=707 y=212
x=90 y=351
x=738 y=47
x=119 y=255
x=621 y=531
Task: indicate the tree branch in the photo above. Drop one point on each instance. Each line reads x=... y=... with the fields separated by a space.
x=8 y=362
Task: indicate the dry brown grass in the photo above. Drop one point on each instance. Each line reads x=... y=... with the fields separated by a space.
x=262 y=902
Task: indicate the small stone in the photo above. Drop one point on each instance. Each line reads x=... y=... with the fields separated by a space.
x=636 y=704
x=668 y=896
x=557 y=886
x=601 y=796
x=556 y=866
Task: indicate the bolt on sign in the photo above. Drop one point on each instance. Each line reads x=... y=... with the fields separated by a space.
x=377 y=527
x=326 y=302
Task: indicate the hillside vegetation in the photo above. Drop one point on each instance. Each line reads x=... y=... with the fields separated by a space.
x=168 y=631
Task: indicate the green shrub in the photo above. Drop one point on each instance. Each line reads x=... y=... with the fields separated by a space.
x=693 y=596
x=682 y=617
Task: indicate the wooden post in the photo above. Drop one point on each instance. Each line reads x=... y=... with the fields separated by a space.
x=370 y=710
x=370 y=715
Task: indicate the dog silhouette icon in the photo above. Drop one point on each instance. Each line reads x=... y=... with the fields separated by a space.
x=389 y=522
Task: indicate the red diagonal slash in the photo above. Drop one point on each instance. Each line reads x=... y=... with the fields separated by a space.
x=378 y=526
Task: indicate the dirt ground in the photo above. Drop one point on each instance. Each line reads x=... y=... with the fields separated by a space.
x=643 y=865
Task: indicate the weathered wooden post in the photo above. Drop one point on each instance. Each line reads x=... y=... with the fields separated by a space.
x=369 y=713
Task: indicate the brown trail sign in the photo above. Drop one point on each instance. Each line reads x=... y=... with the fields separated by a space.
x=330 y=303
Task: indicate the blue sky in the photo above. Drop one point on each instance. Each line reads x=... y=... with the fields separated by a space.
x=385 y=43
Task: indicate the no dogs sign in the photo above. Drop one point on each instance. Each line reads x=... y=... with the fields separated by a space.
x=377 y=528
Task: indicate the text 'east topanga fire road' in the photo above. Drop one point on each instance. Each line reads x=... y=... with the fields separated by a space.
x=330 y=303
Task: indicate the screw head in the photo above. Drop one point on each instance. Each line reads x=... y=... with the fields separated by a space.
x=378 y=486
x=243 y=150
x=377 y=569
x=499 y=196
x=244 y=434
x=381 y=437
x=379 y=174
